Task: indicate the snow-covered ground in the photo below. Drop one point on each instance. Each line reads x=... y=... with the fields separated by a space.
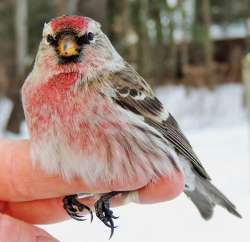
x=202 y=108
x=215 y=123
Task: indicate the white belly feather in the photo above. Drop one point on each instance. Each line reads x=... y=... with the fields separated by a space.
x=134 y=150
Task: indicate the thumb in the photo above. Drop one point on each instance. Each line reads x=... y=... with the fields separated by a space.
x=16 y=230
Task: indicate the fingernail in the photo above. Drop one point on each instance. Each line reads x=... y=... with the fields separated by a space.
x=45 y=239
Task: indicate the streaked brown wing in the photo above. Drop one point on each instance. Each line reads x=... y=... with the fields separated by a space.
x=171 y=131
x=134 y=94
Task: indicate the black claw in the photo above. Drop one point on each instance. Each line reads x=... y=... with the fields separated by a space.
x=90 y=212
x=73 y=207
x=104 y=213
x=108 y=222
x=112 y=228
x=77 y=218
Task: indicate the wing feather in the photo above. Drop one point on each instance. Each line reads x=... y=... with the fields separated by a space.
x=135 y=95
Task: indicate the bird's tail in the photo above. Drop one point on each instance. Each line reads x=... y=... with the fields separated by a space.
x=205 y=196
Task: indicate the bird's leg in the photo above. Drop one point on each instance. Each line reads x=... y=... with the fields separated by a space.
x=73 y=207
x=103 y=211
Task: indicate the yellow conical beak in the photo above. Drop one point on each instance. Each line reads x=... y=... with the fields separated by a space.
x=68 y=47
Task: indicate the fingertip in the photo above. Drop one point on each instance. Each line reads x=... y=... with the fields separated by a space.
x=162 y=189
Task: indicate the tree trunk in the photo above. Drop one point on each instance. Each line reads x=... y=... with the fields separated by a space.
x=246 y=79
x=72 y=6
x=184 y=27
x=118 y=24
x=143 y=50
x=159 y=65
x=67 y=7
x=21 y=36
x=21 y=62
x=247 y=26
x=172 y=48
x=90 y=9
x=208 y=45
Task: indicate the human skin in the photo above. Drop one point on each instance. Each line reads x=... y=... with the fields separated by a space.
x=29 y=196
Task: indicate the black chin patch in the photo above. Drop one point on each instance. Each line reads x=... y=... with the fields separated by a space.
x=69 y=59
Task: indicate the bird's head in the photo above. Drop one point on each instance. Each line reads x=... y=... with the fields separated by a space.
x=76 y=44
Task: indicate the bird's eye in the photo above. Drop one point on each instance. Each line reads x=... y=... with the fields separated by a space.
x=90 y=36
x=50 y=39
x=85 y=39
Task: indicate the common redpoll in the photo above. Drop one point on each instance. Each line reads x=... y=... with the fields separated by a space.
x=91 y=115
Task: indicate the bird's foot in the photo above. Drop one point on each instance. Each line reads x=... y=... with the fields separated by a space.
x=73 y=207
x=103 y=211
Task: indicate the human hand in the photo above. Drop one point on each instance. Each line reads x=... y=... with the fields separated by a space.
x=29 y=196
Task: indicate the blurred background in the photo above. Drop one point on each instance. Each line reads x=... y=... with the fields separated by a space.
x=195 y=55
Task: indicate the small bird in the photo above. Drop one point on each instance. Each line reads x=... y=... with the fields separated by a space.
x=91 y=115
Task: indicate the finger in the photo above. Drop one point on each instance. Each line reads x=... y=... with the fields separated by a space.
x=20 y=181
x=36 y=212
x=13 y=230
x=52 y=211
x=163 y=189
x=158 y=190
x=40 y=211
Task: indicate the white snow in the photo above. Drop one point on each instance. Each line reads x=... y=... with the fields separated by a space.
x=5 y=110
x=200 y=108
x=215 y=123
x=231 y=31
